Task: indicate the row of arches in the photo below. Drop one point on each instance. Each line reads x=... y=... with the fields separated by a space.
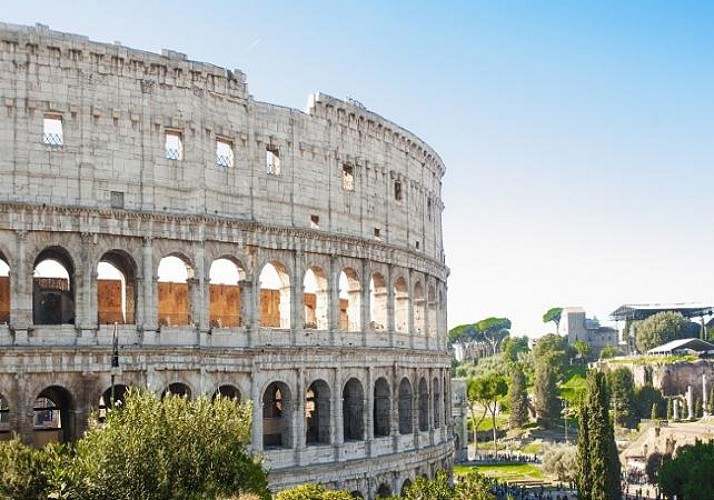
x=422 y=410
x=326 y=301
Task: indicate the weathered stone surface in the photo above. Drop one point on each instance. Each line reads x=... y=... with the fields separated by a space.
x=337 y=190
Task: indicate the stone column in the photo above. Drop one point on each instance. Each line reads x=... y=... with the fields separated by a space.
x=365 y=303
x=297 y=306
x=410 y=311
x=298 y=423
x=391 y=325
x=675 y=409
x=21 y=294
x=333 y=298
x=705 y=396
x=369 y=410
x=690 y=403
x=248 y=316
x=257 y=427
x=337 y=431
x=150 y=323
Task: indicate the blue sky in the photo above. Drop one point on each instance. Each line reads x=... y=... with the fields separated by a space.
x=578 y=136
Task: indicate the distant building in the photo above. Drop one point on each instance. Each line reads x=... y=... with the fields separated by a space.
x=576 y=326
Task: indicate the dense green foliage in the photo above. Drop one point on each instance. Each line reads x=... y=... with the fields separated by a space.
x=661 y=328
x=515 y=349
x=146 y=449
x=553 y=350
x=598 y=464
x=689 y=475
x=582 y=348
x=433 y=489
x=610 y=351
x=621 y=383
x=518 y=398
x=648 y=398
x=547 y=402
x=312 y=491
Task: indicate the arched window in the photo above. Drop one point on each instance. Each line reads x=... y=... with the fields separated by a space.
x=277 y=416
x=384 y=491
x=317 y=413
x=405 y=406
x=53 y=288
x=353 y=410
x=405 y=485
x=174 y=297
x=419 y=309
x=423 y=405
x=382 y=408
x=4 y=415
x=227 y=391
x=436 y=396
x=350 y=301
x=110 y=399
x=224 y=294
x=401 y=305
x=275 y=296
x=177 y=389
x=378 y=302
x=116 y=290
x=4 y=290
x=53 y=419
x=315 y=299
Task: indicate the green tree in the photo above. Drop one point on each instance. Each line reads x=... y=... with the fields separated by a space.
x=312 y=491
x=553 y=314
x=659 y=329
x=621 y=382
x=174 y=448
x=518 y=398
x=688 y=476
x=654 y=464
x=23 y=471
x=582 y=348
x=560 y=461
x=553 y=350
x=646 y=398
x=598 y=464
x=433 y=489
x=486 y=392
x=473 y=486
x=547 y=402
x=610 y=351
x=494 y=330
x=514 y=348
x=670 y=409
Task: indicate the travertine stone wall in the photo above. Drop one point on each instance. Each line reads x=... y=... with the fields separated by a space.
x=354 y=194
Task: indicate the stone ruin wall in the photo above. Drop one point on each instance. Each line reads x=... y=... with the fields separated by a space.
x=108 y=192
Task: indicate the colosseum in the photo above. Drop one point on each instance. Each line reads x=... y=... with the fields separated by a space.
x=232 y=247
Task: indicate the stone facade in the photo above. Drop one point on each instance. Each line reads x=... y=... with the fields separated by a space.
x=114 y=158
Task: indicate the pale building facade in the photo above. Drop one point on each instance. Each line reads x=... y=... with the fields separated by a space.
x=291 y=258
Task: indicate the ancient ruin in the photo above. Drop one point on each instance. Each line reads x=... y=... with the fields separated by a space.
x=237 y=247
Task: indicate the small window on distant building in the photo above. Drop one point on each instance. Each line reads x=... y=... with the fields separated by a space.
x=377 y=233
x=348 y=178
x=398 y=190
x=174 y=145
x=272 y=160
x=428 y=208
x=117 y=199
x=314 y=221
x=417 y=245
x=224 y=153
x=52 y=130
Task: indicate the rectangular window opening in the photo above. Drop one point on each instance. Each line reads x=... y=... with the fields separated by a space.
x=377 y=234
x=224 y=153
x=117 y=199
x=428 y=208
x=398 y=190
x=174 y=145
x=348 y=178
x=314 y=221
x=52 y=130
x=272 y=160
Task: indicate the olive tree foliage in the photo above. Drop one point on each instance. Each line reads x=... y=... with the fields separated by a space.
x=312 y=491
x=473 y=486
x=560 y=460
x=553 y=314
x=433 y=489
x=661 y=328
x=149 y=449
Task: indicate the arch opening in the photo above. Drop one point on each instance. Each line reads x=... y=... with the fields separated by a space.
x=175 y=275
x=378 y=302
x=436 y=396
x=353 y=410
x=384 y=491
x=52 y=416
x=116 y=288
x=382 y=408
x=53 y=288
x=401 y=306
x=317 y=413
x=277 y=416
x=4 y=415
x=405 y=485
x=350 y=301
x=177 y=389
x=227 y=391
x=316 y=300
x=423 y=395
x=405 y=406
x=274 y=296
x=4 y=290
x=224 y=294
x=107 y=401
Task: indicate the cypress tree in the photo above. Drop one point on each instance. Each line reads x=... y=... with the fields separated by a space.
x=547 y=404
x=518 y=399
x=598 y=464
